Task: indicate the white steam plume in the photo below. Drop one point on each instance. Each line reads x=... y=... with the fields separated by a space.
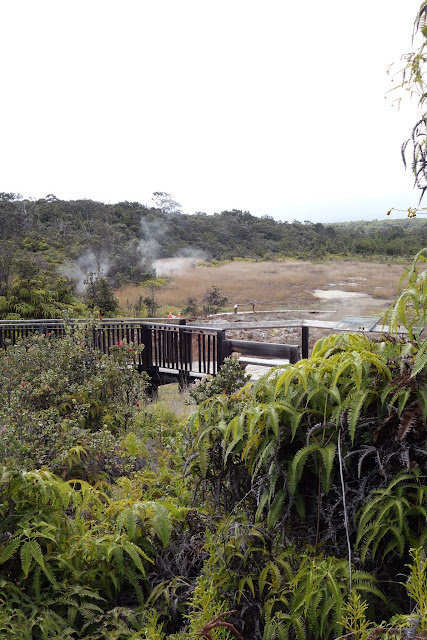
x=87 y=263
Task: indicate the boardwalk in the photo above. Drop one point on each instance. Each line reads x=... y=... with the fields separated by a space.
x=178 y=351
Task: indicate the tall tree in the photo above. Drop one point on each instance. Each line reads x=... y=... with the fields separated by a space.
x=166 y=203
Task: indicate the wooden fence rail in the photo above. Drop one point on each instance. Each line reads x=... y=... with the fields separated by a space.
x=174 y=350
x=292 y=353
x=171 y=351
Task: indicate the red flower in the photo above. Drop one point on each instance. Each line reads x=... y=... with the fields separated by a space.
x=137 y=404
x=130 y=349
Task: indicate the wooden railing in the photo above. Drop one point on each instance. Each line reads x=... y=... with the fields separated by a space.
x=181 y=350
x=11 y=331
x=174 y=350
x=292 y=353
x=171 y=351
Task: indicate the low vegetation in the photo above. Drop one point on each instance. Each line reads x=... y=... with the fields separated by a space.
x=65 y=257
x=273 y=285
x=294 y=507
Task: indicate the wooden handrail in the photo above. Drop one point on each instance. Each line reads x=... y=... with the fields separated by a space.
x=174 y=346
x=265 y=350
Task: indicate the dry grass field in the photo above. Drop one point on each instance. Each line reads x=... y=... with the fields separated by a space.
x=277 y=285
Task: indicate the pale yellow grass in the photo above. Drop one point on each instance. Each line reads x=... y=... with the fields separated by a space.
x=287 y=284
x=175 y=400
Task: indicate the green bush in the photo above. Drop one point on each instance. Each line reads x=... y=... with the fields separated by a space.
x=230 y=377
x=213 y=301
x=58 y=393
x=343 y=432
x=99 y=295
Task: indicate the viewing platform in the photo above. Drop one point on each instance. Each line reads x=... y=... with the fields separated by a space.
x=176 y=351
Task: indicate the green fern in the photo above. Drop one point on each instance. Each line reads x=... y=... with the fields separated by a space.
x=326 y=456
x=410 y=309
x=355 y=404
x=420 y=360
x=312 y=603
x=275 y=510
x=354 y=618
x=134 y=517
x=386 y=521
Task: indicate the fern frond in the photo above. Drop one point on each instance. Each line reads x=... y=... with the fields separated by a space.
x=398 y=541
x=135 y=553
x=161 y=523
x=355 y=406
x=420 y=360
x=10 y=548
x=422 y=395
x=264 y=500
x=297 y=466
x=26 y=557
x=292 y=372
x=132 y=578
x=275 y=510
x=403 y=399
x=36 y=584
x=263 y=457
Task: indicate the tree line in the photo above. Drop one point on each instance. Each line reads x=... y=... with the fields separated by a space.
x=49 y=246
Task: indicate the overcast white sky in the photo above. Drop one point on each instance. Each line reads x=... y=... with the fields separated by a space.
x=273 y=106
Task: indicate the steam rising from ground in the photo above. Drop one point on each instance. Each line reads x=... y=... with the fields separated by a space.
x=148 y=251
x=174 y=266
x=149 y=245
x=87 y=263
x=151 y=250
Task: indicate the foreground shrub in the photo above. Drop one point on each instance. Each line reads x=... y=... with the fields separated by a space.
x=73 y=551
x=230 y=377
x=330 y=451
x=62 y=400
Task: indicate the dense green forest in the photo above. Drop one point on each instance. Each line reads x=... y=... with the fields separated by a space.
x=49 y=247
x=292 y=508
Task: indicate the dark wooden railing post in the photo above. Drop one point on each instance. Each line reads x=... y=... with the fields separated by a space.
x=147 y=352
x=221 y=348
x=304 y=342
x=186 y=351
x=94 y=337
x=182 y=359
x=146 y=360
x=181 y=344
